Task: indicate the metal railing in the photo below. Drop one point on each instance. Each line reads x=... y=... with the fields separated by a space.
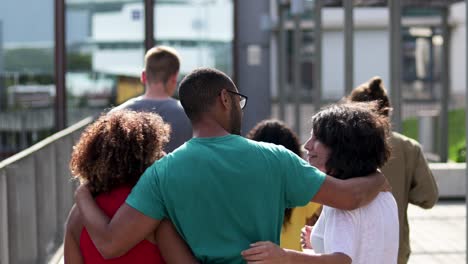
x=36 y=193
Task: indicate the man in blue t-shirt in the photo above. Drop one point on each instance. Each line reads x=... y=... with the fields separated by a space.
x=160 y=80
x=220 y=190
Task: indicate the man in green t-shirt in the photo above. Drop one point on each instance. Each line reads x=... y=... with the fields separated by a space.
x=220 y=190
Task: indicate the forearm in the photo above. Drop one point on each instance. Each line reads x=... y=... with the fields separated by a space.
x=114 y=237
x=425 y=199
x=424 y=191
x=71 y=248
x=96 y=223
x=173 y=248
x=298 y=257
x=349 y=194
x=362 y=190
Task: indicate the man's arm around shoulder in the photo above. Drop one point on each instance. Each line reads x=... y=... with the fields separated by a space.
x=113 y=237
x=352 y=193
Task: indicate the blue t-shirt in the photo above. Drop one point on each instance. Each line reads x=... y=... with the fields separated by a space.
x=224 y=193
x=171 y=112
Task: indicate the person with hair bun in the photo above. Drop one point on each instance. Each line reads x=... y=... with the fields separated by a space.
x=110 y=156
x=407 y=169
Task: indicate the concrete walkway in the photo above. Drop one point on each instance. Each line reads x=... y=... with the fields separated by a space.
x=437 y=235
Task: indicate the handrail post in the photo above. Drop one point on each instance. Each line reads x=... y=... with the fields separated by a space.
x=4 y=246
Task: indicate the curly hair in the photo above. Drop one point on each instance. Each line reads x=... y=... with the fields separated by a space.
x=372 y=90
x=276 y=132
x=117 y=148
x=357 y=136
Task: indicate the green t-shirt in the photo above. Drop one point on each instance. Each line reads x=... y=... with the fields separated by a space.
x=224 y=193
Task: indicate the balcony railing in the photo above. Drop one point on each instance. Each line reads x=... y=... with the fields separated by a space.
x=36 y=193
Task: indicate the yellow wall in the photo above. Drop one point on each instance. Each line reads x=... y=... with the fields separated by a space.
x=128 y=87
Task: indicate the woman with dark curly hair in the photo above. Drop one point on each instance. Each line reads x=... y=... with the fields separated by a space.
x=110 y=157
x=277 y=132
x=346 y=140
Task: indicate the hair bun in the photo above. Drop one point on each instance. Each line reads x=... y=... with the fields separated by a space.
x=375 y=84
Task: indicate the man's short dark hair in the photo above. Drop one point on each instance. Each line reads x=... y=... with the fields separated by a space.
x=199 y=89
x=357 y=137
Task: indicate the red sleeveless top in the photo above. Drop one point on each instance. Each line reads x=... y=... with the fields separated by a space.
x=143 y=252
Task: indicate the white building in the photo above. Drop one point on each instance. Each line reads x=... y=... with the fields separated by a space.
x=199 y=33
x=203 y=34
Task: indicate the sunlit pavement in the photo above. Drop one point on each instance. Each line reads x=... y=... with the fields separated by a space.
x=438 y=235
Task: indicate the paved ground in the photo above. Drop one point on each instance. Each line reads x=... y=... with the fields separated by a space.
x=438 y=236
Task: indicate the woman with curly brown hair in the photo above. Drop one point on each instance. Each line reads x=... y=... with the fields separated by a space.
x=346 y=140
x=110 y=157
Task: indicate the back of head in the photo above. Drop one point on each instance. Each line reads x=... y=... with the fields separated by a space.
x=199 y=89
x=357 y=137
x=276 y=132
x=373 y=90
x=161 y=63
x=117 y=148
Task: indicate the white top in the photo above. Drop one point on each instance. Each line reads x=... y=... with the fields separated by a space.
x=368 y=235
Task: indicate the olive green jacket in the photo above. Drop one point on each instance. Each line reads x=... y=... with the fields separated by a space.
x=412 y=182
